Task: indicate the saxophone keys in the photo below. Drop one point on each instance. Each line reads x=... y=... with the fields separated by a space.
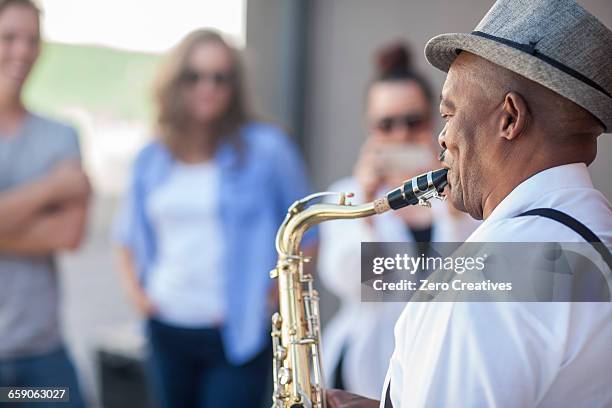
x=281 y=353
x=284 y=376
x=424 y=203
x=439 y=196
x=343 y=197
x=277 y=320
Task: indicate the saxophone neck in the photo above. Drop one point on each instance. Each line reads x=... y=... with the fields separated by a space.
x=301 y=217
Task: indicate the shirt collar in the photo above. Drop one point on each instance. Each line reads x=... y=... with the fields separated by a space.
x=574 y=175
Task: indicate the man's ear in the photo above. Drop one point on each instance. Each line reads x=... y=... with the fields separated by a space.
x=514 y=116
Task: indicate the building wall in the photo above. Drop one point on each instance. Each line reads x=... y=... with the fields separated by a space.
x=342 y=36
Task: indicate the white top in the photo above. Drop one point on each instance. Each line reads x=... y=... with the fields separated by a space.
x=186 y=284
x=365 y=330
x=513 y=354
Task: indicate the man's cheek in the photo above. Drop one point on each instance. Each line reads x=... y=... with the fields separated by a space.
x=451 y=155
x=451 y=135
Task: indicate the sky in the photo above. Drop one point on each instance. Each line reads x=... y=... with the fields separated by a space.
x=139 y=25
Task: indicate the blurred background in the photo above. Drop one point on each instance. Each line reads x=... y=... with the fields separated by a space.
x=308 y=63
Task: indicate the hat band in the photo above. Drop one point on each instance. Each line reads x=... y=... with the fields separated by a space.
x=530 y=49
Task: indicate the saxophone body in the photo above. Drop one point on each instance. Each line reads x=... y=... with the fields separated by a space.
x=296 y=330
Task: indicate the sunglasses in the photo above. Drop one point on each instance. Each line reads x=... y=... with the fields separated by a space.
x=218 y=79
x=411 y=121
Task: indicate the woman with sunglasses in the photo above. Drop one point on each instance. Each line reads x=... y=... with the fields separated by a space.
x=400 y=145
x=196 y=232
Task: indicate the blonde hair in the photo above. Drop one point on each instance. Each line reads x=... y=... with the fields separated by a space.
x=172 y=115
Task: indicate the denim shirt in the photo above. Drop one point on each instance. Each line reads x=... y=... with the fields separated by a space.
x=257 y=186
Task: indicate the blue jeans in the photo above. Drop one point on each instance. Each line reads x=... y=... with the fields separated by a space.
x=52 y=369
x=188 y=369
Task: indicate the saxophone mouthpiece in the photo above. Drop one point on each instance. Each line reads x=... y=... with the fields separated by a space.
x=418 y=190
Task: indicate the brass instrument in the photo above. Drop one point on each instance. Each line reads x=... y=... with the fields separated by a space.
x=296 y=333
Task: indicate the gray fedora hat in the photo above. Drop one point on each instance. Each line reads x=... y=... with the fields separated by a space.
x=555 y=43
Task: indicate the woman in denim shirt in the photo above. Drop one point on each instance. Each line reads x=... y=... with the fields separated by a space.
x=196 y=230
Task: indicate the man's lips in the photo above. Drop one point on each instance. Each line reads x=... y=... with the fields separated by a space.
x=448 y=180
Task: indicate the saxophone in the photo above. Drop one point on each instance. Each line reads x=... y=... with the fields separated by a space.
x=296 y=331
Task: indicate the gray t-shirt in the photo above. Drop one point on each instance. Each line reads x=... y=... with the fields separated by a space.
x=29 y=323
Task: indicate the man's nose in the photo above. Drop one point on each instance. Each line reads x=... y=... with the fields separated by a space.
x=442 y=138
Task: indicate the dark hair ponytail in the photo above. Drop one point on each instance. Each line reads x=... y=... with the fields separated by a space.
x=394 y=63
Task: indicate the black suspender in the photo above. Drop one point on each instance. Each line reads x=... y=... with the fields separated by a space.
x=388 y=403
x=575 y=225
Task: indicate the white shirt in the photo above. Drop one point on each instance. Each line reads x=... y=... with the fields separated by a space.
x=365 y=330
x=513 y=354
x=186 y=284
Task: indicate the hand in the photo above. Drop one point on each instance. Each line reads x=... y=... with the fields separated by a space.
x=143 y=303
x=66 y=226
x=67 y=181
x=369 y=171
x=343 y=399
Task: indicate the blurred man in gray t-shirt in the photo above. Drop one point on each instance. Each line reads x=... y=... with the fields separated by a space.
x=43 y=208
x=36 y=156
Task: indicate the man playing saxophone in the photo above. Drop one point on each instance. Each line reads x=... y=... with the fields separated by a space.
x=526 y=96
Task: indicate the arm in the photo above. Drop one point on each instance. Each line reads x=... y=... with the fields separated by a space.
x=62 y=229
x=290 y=179
x=19 y=206
x=131 y=284
x=129 y=234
